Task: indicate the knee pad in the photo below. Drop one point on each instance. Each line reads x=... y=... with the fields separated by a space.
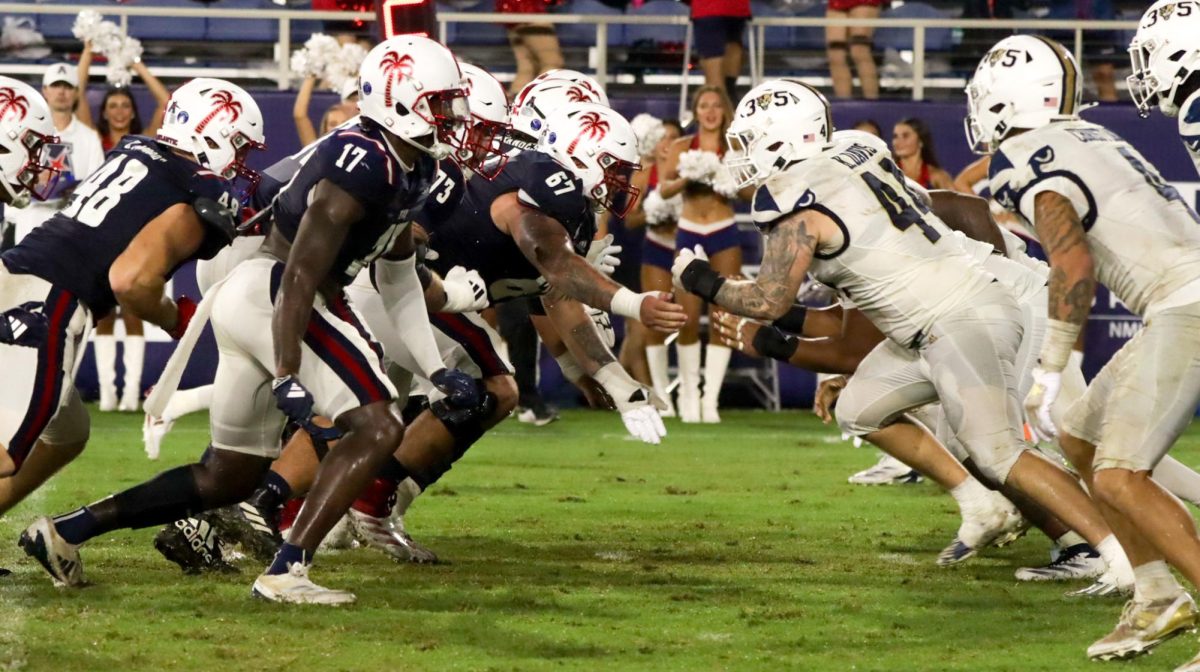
x=466 y=425
x=853 y=418
x=416 y=405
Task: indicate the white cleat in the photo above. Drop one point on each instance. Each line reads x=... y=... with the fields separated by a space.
x=129 y=404
x=295 y=587
x=60 y=559
x=391 y=538
x=709 y=414
x=1080 y=561
x=887 y=471
x=982 y=525
x=340 y=537
x=154 y=430
x=1145 y=625
x=1109 y=583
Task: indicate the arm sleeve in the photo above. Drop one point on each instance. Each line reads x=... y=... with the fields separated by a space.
x=404 y=302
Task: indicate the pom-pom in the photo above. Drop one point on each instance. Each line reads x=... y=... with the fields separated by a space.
x=724 y=183
x=697 y=165
x=87 y=25
x=649 y=131
x=344 y=66
x=315 y=56
x=661 y=211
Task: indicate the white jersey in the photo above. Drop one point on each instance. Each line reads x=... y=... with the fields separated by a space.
x=1144 y=238
x=1026 y=278
x=894 y=259
x=1189 y=127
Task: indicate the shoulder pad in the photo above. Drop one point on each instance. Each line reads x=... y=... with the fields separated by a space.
x=546 y=185
x=779 y=198
x=359 y=164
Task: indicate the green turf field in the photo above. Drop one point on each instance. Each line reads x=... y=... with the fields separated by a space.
x=734 y=547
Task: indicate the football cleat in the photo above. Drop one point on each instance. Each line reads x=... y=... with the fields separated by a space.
x=262 y=516
x=193 y=544
x=1080 y=561
x=538 y=416
x=887 y=471
x=1108 y=584
x=41 y=542
x=1145 y=625
x=375 y=523
x=295 y=587
x=154 y=430
x=981 y=527
x=340 y=537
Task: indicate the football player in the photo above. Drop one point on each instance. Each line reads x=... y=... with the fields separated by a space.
x=284 y=311
x=1165 y=53
x=1104 y=214
x=843 y=211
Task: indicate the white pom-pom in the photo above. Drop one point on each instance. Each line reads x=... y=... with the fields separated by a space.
x=697 y=165
x=649 y=130
x=120 y=61
x=86 y=25
x=724 y=182
x=344 y=66
x=316 y=54
x=661 y=211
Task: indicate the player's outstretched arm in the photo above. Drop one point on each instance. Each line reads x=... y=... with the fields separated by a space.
x=789 y=252
x=139 y=276
x=967 y=213
x=545 y=242
x=840 y=353
x=322 y=231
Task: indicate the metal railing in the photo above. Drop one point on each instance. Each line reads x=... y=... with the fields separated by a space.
x=281 y=73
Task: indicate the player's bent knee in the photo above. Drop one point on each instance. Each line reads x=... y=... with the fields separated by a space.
x=996 y=463
x=504 y=389
x=1112 y=485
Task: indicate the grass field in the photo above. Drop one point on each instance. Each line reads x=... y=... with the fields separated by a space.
x=735 y=547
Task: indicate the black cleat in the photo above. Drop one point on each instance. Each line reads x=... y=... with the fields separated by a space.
x=193 y=544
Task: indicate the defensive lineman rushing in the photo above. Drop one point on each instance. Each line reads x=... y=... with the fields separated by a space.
x=1104 y=214
x=153 y=205
x=843 y=211
x=284 y=312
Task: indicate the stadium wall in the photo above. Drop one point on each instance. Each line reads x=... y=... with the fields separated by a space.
x=1110 y=326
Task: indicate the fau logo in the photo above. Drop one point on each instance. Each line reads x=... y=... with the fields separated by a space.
x=223 y=103
x=12 y=103
x=394 y=65
x=591 y=125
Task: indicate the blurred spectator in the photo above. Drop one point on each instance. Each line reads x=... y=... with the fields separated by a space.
x=976 y=174
x=719 y=27
x=844 y=43
x=118 y=114
x=869 y=126
x=1100 y=46
x=912 y=146
x=333 y=117
x=117 y=117
x=534 y=45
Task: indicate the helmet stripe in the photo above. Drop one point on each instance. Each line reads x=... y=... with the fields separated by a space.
x=821 y=96
x=1066 y=105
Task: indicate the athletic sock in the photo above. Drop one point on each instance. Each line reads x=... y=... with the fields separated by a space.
x=184 y=402
x=1071 y=538
x=657 y=361
x=1114 y=556
x=1154 y=581
x=287 y=556
x=689 y=368
x=408 y=491
x=277 y=485
x=970 y=495
x=77 y=526
x=106 y=363
x=135 y=358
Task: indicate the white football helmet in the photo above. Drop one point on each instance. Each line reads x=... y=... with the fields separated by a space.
x=489 y=122
x=598 y=146
x=217 y=123
x=1025 y=81
x=1165 y=52
x=538 y=100
x=776 y=123
x=412 y=87
x=576 y=77
x=27 y=144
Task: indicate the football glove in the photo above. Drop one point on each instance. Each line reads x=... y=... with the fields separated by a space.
x=1039 y=401
x=461 y=390
x=465 y=290
x=635 y=402
x=603 y=255
x=26 y=325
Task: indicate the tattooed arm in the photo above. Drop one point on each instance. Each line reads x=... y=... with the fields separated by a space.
x=1072 y=275
x=789 y=251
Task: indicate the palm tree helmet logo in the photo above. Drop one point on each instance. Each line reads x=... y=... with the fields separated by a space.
x=223 y=103
x=12 y=104
x=393 y=64
x=591 y=127
x=579 y=93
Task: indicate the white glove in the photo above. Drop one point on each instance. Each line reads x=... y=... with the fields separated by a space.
x=635 y=403
x=603 y=255
x=1040 y=400
x=682 y=259
x=466 y=291
x=604 y=323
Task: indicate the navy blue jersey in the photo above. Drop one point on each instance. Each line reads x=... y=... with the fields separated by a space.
x=444 y=196
x=469 y=238
x=138 y=181
x=358 y=160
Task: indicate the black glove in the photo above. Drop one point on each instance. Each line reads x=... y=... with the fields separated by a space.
x=26 y=325
x=296 y=402
x=461 y=390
